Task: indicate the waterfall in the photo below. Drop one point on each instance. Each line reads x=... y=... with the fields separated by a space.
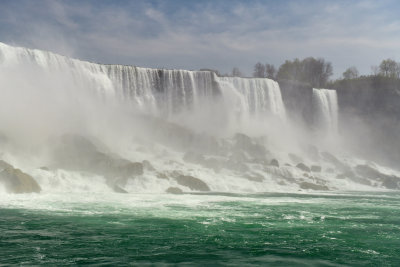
x=158 y=91
x=325 y=105
x=259 y=96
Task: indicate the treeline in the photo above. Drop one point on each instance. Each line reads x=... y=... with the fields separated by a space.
x=312 y=71
x=315 y=72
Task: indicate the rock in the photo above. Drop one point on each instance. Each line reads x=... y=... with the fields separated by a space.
x=255 y=177
x=257 y=151
x=16 y=181
x=391 y=183
x=192 y=182
x=245 y=143
x=130 y=169
x=174 y=190
x=206 y=144
x=316 y=168
x=274 y=162
x=147 y=165
x=337 y=163
x=44 y=168
x=294 y=158
x=303 y=167
x=77 y=153
x=242 y=141
x=307 y=185
x=388 y=181
x=118 y=189
x=353 y=177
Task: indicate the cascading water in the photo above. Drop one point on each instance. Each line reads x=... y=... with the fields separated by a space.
x=326 y=109
x=91 y=137
x=158 y=91
x=260 y=96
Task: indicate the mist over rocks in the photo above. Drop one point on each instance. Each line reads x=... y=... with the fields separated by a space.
x=16 y=181
x=128 y=129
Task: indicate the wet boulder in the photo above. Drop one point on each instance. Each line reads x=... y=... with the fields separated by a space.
x=303 y=167
x=316 y=168
x=16 y=181
x=192 y=182
x=246 y=144
x=174 y=190
x=294 y=158
x=335 y=161
x=78 y=153
x=317 y=187
x=388 y=181
x=274 y=162
x=129 y=169
x=255 y=177
x=118 y=189
x=147 y=165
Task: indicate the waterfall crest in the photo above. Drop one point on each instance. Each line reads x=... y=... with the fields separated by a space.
x=326 y=109
x=158 y=91
x=260 y=96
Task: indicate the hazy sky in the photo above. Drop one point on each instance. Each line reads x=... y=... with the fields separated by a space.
x=207 y=34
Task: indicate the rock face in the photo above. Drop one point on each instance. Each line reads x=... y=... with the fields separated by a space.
x=79 y=154
x=274 y=162
x=307 y=185
x=373 y=100
x=297 y=98
x=148 y=166
x=303 y=167
x=294 y=158
x=337 y=163
x=245 y=143
x=315 y=168
x=174 y=190
x=16 y=181
x=388 y=181
x=192 y=182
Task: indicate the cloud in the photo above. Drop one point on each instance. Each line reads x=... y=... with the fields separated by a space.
x=222 y=34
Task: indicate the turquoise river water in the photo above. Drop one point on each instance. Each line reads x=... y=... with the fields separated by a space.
x=278 y=229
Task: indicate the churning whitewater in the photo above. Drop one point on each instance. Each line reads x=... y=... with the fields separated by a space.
x=72 y=126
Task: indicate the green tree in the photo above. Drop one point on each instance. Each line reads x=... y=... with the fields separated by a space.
x=350 y=73
x=270 y=71
x=315 y=72
x=259 y=70
x=389 y=68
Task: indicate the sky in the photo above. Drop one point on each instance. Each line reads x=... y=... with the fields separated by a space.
x=219 y=34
